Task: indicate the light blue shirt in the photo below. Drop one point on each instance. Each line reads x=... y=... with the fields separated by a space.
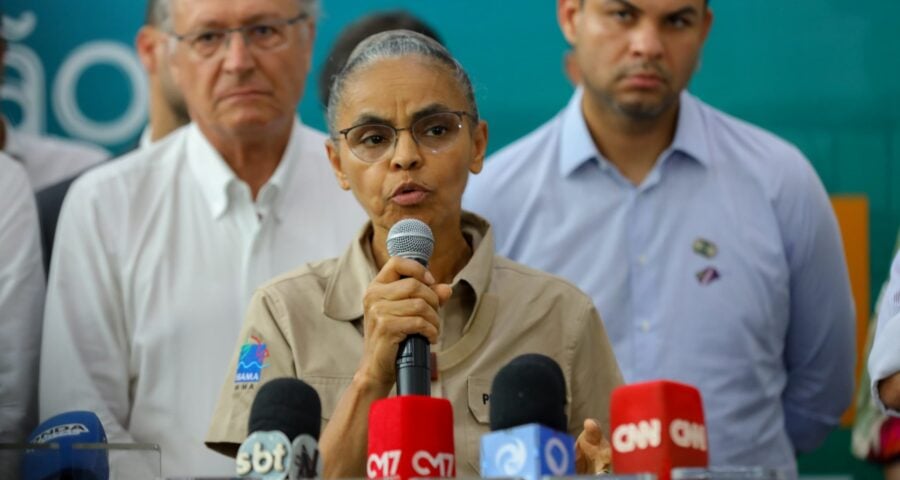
x=723 y=269
x=884 y=358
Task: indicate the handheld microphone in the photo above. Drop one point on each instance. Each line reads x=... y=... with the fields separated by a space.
x=411 y=238
x=411 y=436
x=68 y=461
x=657 y=426
x=528 y=436
x=284 y=408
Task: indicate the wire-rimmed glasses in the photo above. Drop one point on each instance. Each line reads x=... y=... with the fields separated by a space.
x=373 y=142
x=267 y=35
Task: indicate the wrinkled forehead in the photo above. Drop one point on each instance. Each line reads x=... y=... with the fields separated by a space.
x=192 y=14
x=400 y=86
x=661 y=7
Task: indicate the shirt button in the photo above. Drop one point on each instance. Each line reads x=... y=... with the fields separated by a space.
x=645 y=326
x=642 y=259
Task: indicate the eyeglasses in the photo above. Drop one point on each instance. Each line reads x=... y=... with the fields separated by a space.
x=374 y=142
x=260 y=36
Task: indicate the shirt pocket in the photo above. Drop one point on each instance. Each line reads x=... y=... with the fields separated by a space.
x=330 y=390
x=478 y=422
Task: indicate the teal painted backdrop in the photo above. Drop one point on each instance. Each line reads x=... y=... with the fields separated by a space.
x=821 y=73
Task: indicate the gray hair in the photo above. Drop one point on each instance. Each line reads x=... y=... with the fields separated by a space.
x=159 y=12
x=396 y=44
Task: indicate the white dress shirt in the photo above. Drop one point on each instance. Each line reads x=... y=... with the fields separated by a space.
x=884 y=358
x=48 y=159
x=156 y=258
x=21 y=303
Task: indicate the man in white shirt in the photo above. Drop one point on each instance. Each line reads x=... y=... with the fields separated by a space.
x=21 y=304
x=167 y=113
x=47 y=159
x=158 y=253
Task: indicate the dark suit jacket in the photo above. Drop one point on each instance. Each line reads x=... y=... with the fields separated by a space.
x=49 y=201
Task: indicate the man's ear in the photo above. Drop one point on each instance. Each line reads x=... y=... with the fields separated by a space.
x=707 y=22
x=334 y=157
x=567 y=12
x=145 y=45
x=309 y=32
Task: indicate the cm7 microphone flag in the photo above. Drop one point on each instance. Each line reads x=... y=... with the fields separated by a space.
x=411 y=436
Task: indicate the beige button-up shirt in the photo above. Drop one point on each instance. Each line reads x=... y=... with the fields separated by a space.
x=308 y=324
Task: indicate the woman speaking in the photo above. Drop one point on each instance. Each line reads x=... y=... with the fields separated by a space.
x=405 y=135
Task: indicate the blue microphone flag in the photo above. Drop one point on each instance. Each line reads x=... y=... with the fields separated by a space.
x=530 y=451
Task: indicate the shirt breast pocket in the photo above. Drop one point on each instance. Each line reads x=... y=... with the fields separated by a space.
x=478 y=422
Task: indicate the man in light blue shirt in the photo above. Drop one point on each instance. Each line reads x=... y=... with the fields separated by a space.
x=884 y=358
x=708 y=245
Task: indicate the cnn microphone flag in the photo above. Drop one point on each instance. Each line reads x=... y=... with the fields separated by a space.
x=656 y=426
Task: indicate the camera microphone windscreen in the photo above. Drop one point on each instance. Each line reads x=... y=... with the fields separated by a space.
x=529 y=389
x=68 y=461
x=528 y=436
x=288 y=405
x=284 y=409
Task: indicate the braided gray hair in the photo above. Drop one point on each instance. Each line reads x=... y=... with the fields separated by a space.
x=396 y=44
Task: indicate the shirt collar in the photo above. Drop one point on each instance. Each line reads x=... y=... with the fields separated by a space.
x=210 y=170
x=146 y=137
x=690 y=133
x=215 y=176
x=356 y=269
x=13 y=146
x=577 y=146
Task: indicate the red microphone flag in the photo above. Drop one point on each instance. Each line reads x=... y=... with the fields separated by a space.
x=657 y=426
x=411 y=436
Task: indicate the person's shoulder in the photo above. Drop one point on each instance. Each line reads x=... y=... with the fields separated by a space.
x=753 y=153
x=312 y=141
x=539 y=143
x=530 y=282
x=131 y=173
x=11 y=170
x=311 y=133
x=745 y=141
x=56 y=147
x=303 y=281
x=14 y=183
x=512 y=169
x=138 y=165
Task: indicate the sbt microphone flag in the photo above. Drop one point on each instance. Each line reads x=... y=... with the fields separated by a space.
x=264 y=455
x=530 y=451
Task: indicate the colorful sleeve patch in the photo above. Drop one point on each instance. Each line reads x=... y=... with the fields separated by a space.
x=251 y=361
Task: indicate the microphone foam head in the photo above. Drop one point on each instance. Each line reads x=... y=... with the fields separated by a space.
x=287 y=405
x=529 y=389
x=411 y=238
